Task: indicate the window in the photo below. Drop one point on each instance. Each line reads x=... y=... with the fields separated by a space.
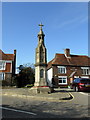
x=41 y=55
x=41 y=73
x=85 y=70
x=61 y=69
x=2 y=65
x=62 y=79
x=1 y=76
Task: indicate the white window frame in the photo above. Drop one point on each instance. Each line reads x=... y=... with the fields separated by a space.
x=62 y=77
x=3 y=75
x=76 y=76
x=6 y=61
x=3 y=66
x=61 y=69
x=84 y=76
x=85 y=70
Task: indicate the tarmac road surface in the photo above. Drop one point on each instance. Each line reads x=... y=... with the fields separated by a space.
x=75 y=108
x=16 y=113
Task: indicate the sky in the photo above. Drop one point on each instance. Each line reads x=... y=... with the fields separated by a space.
x=65 y=26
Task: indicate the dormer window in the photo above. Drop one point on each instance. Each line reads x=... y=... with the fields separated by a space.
x=2 y=65
x=85 y=70
x=62 y=69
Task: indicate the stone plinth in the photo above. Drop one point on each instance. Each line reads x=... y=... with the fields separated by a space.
x=40 y=89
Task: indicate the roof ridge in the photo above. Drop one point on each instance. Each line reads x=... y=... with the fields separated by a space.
x=9 y=54
x=2 y=51
x=60 y=53
x=80 y=55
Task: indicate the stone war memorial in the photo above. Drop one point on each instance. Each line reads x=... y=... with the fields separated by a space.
x=40 y=85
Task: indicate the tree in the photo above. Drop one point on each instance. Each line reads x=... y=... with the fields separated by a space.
x=26 y=75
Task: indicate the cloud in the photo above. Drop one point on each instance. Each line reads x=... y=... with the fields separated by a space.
x=74 y=21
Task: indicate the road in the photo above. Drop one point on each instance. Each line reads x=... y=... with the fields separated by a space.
x=80 y=98
x=76 y=108
x=8 y=112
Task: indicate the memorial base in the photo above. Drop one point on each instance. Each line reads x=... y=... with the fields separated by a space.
x=41 y=89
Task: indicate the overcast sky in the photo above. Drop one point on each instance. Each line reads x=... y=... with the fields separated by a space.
x=65 y=26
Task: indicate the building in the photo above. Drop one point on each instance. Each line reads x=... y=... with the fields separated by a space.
x=7 y=66
x=65 y=67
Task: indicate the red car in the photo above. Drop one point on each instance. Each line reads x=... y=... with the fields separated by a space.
x=81 y=84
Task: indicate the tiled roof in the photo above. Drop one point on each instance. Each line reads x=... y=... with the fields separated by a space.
x=4 y=56
x=75 y=60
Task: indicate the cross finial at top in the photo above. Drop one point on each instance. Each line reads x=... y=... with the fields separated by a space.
x=41 y=25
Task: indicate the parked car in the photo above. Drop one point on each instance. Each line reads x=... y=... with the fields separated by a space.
x=81 y=84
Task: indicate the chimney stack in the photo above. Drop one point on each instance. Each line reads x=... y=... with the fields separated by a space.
x=14 y=63
x=67 y=52
x=14 y=52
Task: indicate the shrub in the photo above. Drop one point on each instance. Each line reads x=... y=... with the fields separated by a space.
x=5 y=83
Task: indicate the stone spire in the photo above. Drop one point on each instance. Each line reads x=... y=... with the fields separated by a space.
x=41 y=61
x=40 y=84
x=41 y=35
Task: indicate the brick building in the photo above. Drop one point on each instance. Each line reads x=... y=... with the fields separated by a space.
x=65 y=67
x=7 y=66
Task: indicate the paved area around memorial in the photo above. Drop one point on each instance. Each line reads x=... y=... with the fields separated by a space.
x=57 y=95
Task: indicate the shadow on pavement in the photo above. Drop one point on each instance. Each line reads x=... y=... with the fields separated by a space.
x=40 y=115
